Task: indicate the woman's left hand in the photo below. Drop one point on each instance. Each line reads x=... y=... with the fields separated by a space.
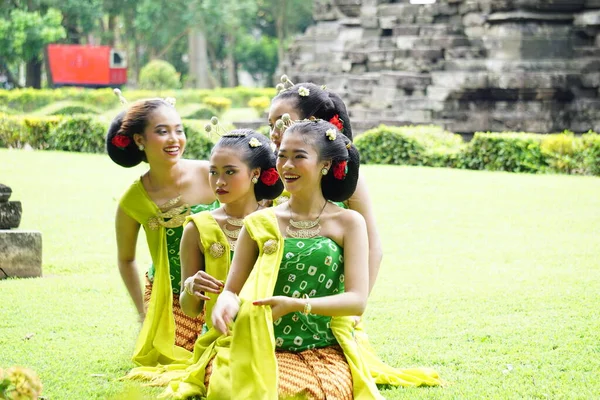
x=280 y=305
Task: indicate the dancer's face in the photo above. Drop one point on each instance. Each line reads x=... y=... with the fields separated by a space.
x=278 y=108
x=230 y=177
x=298 y=164
x=163 y=139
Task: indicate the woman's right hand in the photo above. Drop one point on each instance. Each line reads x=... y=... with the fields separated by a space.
x=203 y=282
x=226 y=309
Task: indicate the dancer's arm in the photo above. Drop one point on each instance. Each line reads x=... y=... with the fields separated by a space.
x=194 y=279
x=127 y=230
x=228 y=305
x=354 y=299
x=361 y=202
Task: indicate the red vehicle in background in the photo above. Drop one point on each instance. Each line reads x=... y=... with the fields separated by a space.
x=86 y=66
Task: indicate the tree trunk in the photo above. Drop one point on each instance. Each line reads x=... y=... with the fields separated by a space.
x=9 y=76
x=133 y=48
x=198 y=58
x=232 y=79
x=281 y=35
x=33 y=76
x=112 y=30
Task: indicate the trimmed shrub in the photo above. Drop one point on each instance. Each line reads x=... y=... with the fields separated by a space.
x=199 y=144
x=510 y=151
x=67 y=108
x=37 y=131
x=260 y=104
x=159 y=75
x=591 y=153
x=221 y=104
x=202 y=112
x=83 y=134
x=387 y=145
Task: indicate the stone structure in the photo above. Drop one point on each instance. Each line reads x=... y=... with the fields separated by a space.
x=20 y=251
x=468 y=65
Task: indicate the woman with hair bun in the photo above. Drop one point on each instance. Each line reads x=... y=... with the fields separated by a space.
x=281 y=325
x=151 y=131
x=307 y=100
x=242 y=173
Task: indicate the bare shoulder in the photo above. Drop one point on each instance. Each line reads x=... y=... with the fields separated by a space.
x=196 y=165
x=350 y=219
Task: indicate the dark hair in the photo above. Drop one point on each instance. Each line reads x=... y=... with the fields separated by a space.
x=128 y=123
x=319 y=103
x=337 y=150
x=254 y=157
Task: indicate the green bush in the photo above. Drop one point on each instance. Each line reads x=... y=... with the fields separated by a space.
x=591 y=153
x=202 y=112
x=37 y=131
x=199 y=143
x=260 y=104
x=159 y=75
x=28 y=100
x=221 y=104
x=83 y=134
x=406 y=145
x=510 y=151
x=67 y=108
x=11 y=131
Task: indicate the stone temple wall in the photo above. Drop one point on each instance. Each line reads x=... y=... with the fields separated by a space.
x=468 y=65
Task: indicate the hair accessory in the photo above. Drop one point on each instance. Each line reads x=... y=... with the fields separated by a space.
x=120 y=141
x=218 y=129
x=254 y=142
x=269 y=176
x=170 y=100
x=340 y=170
x=141 y=147
x=349 y=145
x=118 y=93
x=335 y=120
x=284 y=85
x=303 y=92
x=331 y=134
x=324 y=171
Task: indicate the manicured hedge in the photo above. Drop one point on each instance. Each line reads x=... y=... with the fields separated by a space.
x=28 y=100
x=507 y=151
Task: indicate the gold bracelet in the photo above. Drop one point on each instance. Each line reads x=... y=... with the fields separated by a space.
x=186 y=288
x=307 y=306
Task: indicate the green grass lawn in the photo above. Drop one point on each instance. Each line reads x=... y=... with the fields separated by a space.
x=491 y=278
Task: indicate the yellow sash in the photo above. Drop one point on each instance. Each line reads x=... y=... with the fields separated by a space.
x=156 y=342
x=253 y=374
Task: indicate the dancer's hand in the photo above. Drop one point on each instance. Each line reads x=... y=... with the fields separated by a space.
x=280 y=305
x=203 y=282
x=226 y=309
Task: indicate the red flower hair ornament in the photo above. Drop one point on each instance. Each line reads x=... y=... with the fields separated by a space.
x=337 y=122
x=340 y=170
x=120 y=141
x=269 y=176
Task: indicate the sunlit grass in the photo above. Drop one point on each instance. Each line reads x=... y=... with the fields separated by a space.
x=491 y=278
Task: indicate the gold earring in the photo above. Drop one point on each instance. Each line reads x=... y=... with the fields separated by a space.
x=141 y=147
x=254 y=180
x=324 y=171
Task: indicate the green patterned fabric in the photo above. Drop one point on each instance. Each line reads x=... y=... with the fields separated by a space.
x=314 y=267
x=173 y=241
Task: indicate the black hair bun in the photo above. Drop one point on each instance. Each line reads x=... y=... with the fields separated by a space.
x=127 y=157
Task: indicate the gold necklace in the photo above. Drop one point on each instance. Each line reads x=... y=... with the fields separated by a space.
x=304 y=229
x=170 y=216
x=233 y=234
